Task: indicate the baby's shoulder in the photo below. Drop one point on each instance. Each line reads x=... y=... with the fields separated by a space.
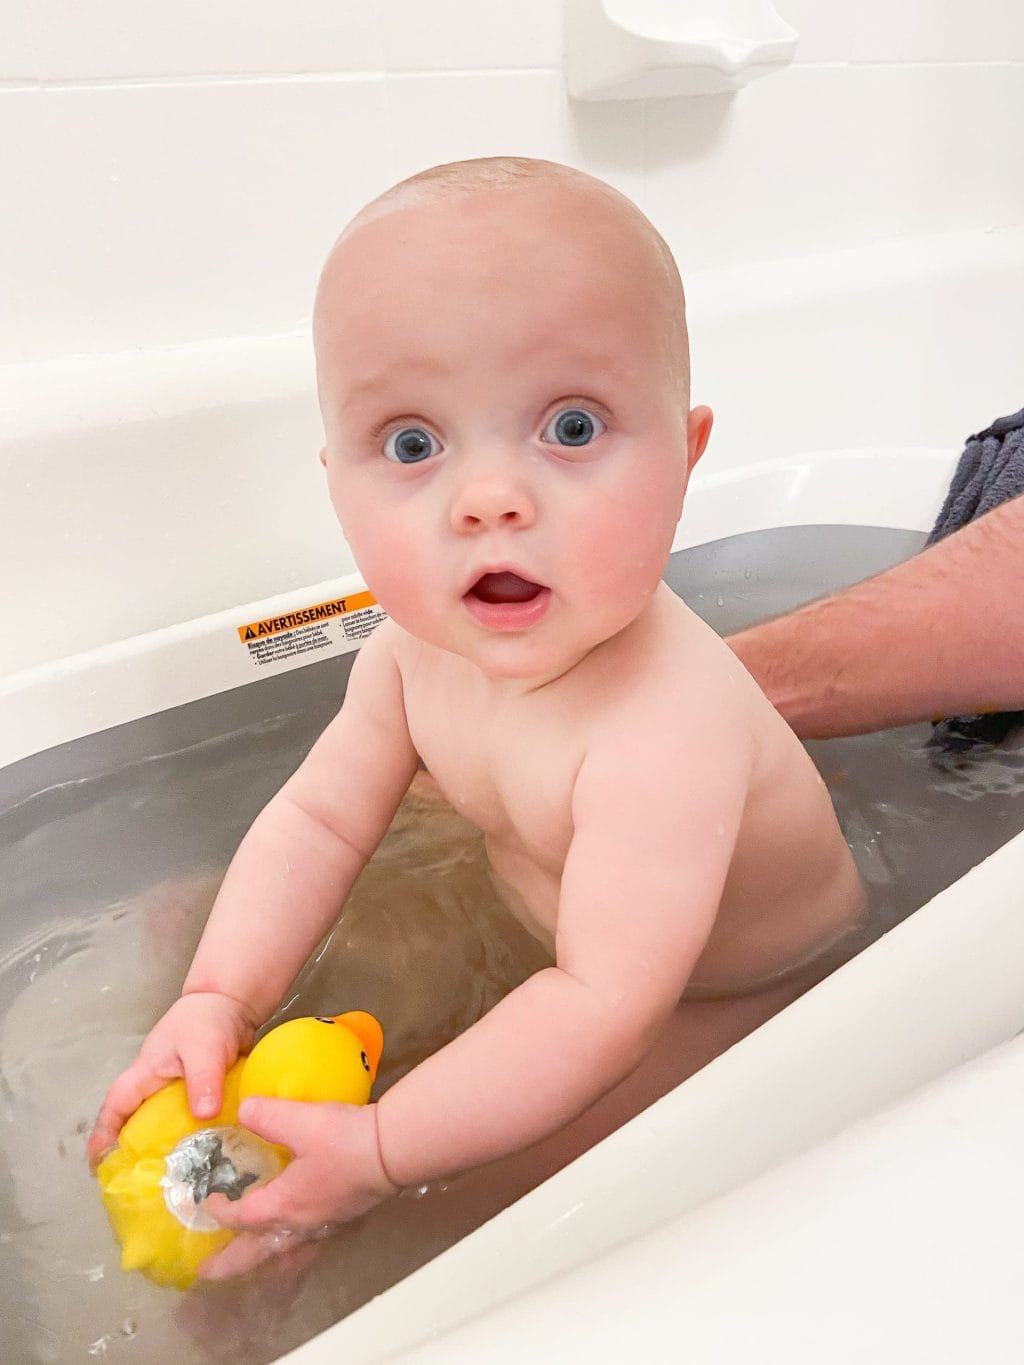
x=685 y=676
x=689 y=709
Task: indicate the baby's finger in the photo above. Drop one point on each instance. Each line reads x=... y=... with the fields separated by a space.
x=102 y=1138
x=121 y=1101
x=250 y=1249
x=289 y=1123
x=204 y=1080
x=265 y=1209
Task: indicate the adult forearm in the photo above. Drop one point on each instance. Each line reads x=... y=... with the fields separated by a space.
x=942 y=634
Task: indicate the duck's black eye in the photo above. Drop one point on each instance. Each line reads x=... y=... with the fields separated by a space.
x=322 y=1019
x=365 y=1061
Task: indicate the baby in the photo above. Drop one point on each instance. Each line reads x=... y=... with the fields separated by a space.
x=503 y=374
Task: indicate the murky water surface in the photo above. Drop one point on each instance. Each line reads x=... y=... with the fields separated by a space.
x=423 y=944
x=116 y=871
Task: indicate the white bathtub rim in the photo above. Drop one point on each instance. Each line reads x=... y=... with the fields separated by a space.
x=96 y=388
x=58 y=701
x=48 y=397
x=906 y=341
x=674 y=1289
x=838 y=487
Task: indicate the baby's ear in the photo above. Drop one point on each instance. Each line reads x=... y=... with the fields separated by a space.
x=323 y=457
x=698 y=429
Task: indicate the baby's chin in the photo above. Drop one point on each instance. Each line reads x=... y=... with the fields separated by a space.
x=528 y=660
x=529 y=657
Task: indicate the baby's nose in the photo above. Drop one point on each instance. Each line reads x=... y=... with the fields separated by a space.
x=489 y=500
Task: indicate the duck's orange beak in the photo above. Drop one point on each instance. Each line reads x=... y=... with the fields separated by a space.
x=368 y=1031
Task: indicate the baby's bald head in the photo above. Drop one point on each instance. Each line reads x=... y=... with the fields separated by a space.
x=502 y=368
x=596 y=224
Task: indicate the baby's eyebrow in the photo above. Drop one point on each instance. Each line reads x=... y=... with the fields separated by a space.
x=383 y=379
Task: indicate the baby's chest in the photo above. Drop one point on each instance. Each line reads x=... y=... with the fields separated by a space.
x=505 y=768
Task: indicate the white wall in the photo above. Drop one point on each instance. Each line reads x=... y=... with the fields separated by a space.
x=172 y=174
x=176 y=172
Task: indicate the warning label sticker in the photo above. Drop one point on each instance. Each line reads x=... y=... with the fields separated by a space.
x=311 y=628
x=322 y=611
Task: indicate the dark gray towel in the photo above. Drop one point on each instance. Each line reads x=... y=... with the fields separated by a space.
x=990 y=471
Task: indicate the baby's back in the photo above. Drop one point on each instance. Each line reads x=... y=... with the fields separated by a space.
x=793 y=893
x=509 y=764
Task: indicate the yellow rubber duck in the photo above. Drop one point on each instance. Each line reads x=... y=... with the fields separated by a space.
x=166 y=1162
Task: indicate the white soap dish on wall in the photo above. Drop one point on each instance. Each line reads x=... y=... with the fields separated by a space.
x=655 y=49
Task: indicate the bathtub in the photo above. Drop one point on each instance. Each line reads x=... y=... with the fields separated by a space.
x=144 y=463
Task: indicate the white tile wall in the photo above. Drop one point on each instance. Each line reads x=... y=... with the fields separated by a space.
x=17 y=41
x=175 y=172
x=64 y=40
x=906 y=30
x=153 y=215
x=449 y=35
x=446 y=117
x=819 y=158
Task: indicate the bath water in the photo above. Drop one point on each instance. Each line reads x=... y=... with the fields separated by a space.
x=423 y=944
x=106 y=878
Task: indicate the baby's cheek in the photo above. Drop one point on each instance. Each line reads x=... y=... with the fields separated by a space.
x=627 y=543
x=395 y=555
x=393 y=573
x=372 y=535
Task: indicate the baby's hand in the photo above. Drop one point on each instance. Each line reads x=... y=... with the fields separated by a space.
x=336 y=1174
x=199 y=1037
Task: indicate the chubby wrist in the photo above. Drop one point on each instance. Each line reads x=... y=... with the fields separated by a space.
x=250 y=1015
x=365 y=1174
x=403 y=1144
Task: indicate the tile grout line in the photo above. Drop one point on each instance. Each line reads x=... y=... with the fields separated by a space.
x=23 y=83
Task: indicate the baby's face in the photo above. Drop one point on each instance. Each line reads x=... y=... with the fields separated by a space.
x=507 y=440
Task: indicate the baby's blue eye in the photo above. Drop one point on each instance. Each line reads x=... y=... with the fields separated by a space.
x=573 y=427
x=410 y=445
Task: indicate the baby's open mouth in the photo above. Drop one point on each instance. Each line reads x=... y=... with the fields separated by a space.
x=500 y=588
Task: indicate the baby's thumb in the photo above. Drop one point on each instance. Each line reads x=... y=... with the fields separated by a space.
x=280 y=1121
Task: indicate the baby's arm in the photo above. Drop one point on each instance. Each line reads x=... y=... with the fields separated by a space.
x=294 y=868
x=283 y=889
x=655 y=823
